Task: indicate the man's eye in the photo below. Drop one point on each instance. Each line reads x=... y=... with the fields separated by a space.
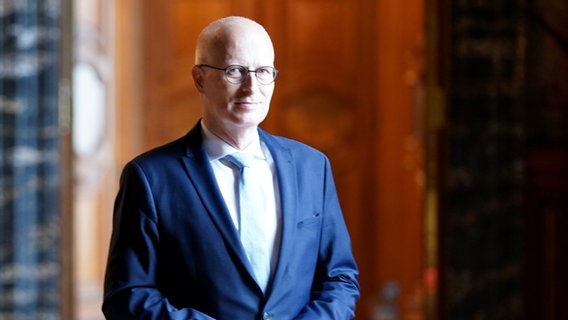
x=235 y=72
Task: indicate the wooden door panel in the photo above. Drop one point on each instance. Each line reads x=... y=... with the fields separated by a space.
x=320 y=48
x=317 y=97
x=171 y=30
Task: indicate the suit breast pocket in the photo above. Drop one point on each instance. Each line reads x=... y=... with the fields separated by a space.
x=306 y=248
x=312 y=221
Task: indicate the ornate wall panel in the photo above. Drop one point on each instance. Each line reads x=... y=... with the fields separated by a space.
x=316 y=99
x=324 y=98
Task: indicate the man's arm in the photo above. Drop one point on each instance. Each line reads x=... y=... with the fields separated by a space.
x=132 y=268
x=335 y=290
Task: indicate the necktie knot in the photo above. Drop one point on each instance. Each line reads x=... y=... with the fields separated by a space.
x=240 y=159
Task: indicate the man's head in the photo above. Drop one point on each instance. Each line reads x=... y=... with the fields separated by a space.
x=230 y=108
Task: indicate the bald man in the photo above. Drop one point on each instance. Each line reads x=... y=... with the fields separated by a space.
x=188 y=240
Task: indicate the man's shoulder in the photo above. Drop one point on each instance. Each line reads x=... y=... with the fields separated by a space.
x=291 y=145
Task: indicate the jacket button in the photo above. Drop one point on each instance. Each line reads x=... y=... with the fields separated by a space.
x=266 y=316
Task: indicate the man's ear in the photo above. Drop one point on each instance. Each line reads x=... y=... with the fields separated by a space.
x=197 y=74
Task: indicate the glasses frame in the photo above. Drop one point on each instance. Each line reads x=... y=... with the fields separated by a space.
x=248 y=71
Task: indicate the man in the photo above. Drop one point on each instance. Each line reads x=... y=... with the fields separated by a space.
x=181 y=237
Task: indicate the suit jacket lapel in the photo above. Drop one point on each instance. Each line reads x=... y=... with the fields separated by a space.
x=202 y=177
x=288 y=187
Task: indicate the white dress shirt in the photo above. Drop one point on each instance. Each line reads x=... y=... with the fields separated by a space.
x=227 y=180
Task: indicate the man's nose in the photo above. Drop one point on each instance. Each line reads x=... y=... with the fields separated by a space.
x=251 y=82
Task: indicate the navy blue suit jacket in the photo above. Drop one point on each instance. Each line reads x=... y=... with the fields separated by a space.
x=175 y=253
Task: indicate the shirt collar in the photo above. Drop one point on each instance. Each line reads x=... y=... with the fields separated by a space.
x=216 y=148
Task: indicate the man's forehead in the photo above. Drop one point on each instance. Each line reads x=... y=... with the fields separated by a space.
x=229 y=35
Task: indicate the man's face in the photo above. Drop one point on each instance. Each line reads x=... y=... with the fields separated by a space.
x=231 y=106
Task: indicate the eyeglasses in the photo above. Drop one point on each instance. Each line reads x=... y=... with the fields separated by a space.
x=236 y=74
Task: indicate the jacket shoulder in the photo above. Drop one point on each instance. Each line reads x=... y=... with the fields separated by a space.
x=295 y=147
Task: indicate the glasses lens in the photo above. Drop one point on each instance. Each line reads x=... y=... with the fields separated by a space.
x=265 y=75
x=236 y=74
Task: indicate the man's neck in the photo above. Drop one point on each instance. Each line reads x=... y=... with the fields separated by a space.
x=238 y=138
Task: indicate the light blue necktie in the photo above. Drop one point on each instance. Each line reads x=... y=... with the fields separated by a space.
x=252 y=214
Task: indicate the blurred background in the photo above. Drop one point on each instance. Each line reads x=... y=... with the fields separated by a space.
x=455 y=114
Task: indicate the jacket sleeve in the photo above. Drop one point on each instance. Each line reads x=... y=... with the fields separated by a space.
x=335 y=289
x=131 y=288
